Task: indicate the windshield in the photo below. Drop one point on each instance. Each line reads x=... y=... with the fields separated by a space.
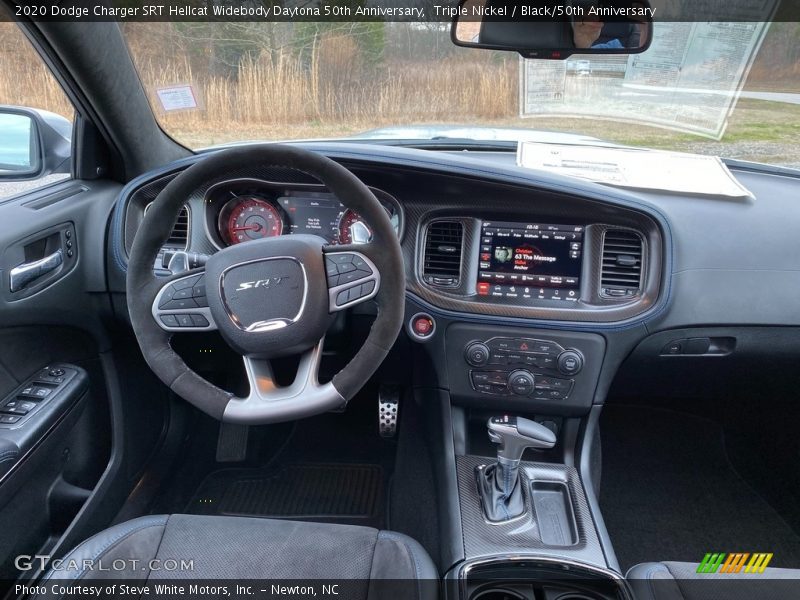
x=730 y=90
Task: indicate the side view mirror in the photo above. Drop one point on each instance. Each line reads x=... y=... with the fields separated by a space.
x=33 y=143
x=544 y=29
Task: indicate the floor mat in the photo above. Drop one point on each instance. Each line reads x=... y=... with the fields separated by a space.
x=341 y=493
x=669 y=492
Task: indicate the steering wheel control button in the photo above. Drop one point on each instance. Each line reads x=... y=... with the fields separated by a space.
x=570 y=362
x=180 y=304
x=187 y=303
x=344 y=268
x=169 y=320
x=184 y=320
x=361 y=264
x=477 y=354
x=186 y=283
x=199 y=321
x=182 y=294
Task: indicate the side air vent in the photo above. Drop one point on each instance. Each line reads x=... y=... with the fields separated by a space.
x=442 y=260
x=622 y=264
x=180 y=232
x=179 y=236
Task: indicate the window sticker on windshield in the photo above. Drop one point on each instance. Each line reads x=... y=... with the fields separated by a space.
x=634 y=168
x=177 y=97
x=689 y=79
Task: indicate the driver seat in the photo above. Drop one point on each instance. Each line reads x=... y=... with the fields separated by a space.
x=224 y=548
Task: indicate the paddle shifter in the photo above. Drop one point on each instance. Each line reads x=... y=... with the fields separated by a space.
x=498 y=484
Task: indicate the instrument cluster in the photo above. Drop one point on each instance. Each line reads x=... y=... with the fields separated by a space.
x=242 y=210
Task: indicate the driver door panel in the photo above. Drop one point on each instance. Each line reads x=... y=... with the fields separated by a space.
x=53 y=456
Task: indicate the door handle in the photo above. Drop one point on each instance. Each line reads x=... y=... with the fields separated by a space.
x=26 y=273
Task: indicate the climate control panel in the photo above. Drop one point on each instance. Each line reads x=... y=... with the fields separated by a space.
x=532 y=368
x=538 y=368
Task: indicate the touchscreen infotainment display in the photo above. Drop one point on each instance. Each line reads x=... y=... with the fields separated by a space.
x=527 y=261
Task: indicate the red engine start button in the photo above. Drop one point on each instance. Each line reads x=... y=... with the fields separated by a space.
x=422 y=326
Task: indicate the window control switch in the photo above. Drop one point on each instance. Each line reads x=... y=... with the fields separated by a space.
x=18 y=407
x=36 y=392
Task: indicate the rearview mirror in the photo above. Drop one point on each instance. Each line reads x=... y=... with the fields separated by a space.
x=543 y=29
x=33 y=143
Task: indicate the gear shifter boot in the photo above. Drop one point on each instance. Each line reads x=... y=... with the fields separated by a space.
x=501 y=492
x=499 y=484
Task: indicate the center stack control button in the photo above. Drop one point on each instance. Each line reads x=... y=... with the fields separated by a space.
x=477 y=354
x=521 y=382
x=570 y=362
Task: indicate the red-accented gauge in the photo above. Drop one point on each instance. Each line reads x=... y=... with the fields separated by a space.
x=353 y=229
x=249 y=218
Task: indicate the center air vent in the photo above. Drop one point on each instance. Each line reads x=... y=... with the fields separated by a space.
x=442 y=260
x=622 y=264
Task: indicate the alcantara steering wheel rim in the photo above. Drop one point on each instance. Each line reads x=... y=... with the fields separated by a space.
x=268 y=297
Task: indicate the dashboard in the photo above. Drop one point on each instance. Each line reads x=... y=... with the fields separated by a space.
x=505 y=267
x=471 y=245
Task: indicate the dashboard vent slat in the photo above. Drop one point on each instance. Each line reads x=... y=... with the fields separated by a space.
x=180 y=231
x=442 y=259
x=621 y=274
x=179 y=236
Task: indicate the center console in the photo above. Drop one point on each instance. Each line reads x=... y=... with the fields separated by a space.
x=530 y=524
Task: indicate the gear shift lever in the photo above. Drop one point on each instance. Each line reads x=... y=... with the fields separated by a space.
x=498 y=484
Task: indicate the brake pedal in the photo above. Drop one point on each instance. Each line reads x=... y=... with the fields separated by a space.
x=388 y=409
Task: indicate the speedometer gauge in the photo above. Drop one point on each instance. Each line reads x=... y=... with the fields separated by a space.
x=248 y=218
x=353 y=229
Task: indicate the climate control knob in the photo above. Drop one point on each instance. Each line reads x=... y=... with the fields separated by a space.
x=477 y=354
x=521 y=382
x=570 y=362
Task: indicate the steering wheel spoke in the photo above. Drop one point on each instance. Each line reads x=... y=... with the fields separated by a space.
x=181 y=305
x=269 y=402
x=352 y=277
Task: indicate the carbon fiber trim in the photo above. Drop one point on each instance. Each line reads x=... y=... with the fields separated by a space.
x=521 y=535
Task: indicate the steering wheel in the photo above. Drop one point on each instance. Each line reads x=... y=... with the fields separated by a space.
x=267 y=298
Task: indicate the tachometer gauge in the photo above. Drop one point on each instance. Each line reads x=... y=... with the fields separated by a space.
x=248 y=218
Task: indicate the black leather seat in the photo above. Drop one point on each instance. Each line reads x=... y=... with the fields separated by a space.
x=680 y=581
x=248 y=548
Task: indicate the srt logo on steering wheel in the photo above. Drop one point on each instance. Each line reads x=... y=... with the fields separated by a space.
x=263 y=283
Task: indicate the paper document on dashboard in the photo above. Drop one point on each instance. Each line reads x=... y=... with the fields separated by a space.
x=641 y=169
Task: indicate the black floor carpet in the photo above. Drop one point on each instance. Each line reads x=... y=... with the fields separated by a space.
x=669 y=492
x=341 y=493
